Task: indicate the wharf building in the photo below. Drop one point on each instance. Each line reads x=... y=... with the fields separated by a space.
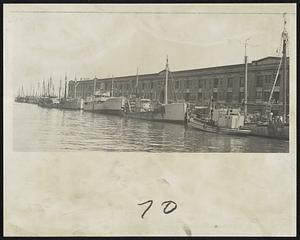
x=224 y=85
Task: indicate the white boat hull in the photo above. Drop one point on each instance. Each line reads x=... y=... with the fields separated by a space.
x=214 y=129
x=173 y=112
x=113 y=105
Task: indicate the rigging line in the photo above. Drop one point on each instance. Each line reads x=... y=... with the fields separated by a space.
x=274 y=84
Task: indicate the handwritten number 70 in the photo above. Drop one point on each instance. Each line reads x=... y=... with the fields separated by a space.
x=167 y=209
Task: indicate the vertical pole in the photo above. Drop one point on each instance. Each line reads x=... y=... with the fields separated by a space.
x=112 y=85
x=59 y=93
x=137 y=82
x=65 y=87
x=94 y=87
x=166 y=83
x=246 y=81
x=285 y=37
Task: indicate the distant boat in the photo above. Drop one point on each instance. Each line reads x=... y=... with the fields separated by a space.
x=146 y=109
x=104 y=103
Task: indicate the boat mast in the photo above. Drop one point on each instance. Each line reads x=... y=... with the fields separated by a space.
x=166 y=83
x=50 y=85
x=75 y=86
x=137 y=82
x=246 y=80
x=94 y=91
x=59 y=91
x=65 y=86
x=112 y=85
x=285 y=39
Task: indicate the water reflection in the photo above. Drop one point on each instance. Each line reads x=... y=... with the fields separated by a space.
x=41 y=129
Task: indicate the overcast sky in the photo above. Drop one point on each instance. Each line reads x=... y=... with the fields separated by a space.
x=89 y=41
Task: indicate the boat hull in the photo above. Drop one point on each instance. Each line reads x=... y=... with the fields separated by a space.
x=270 y=131
x=201 y=126
x=114 y=106
x=73 y=104
x=173 y=113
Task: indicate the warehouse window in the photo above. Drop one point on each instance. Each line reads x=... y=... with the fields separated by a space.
x=229 y=97
x=199 y=96
x=242 y=96
x=259 y=81
x=151 y=85
x=215 y=97
x=229 y=82
x=268 y=79
x=187 y=97
x=276 y=96
x=177 y=84
x=187 y=83
x=200 y=84
x=242 y=81
x=216 y=82
x=266 y=96
x=258 y=94
x=278 y=80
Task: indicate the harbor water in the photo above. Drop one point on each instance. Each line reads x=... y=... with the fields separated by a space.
x=39 y=129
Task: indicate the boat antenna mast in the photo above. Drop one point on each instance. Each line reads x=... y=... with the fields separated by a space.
x=284 y=58
x=166 y=83
x=94 y=90
x=65 y=86
x=112 y=85
x=246 y=79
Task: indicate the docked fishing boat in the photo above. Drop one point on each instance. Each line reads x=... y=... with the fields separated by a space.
x=21 y=98
x=274 y=125
x=104 y=103
x=221 y=121
x=49 y=102
x=71 y=103
x=146 y=109
x=274 y=129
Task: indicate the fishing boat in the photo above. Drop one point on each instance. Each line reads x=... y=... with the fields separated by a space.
x=49 y=102
x=221 y=121
x=104 y=103
x=274 y=126
x=48 y=99
x=21 y=98
x=145 y=109
x=71 y=103
x=67 y=102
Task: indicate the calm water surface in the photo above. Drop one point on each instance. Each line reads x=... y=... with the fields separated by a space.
x=39 y=129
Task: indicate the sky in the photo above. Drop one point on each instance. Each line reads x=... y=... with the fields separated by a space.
x=104 y=40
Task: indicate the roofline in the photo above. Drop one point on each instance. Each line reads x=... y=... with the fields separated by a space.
x=181 y=71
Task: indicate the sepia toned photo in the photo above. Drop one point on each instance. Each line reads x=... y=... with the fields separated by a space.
x=118 y=117
x=148 y=85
